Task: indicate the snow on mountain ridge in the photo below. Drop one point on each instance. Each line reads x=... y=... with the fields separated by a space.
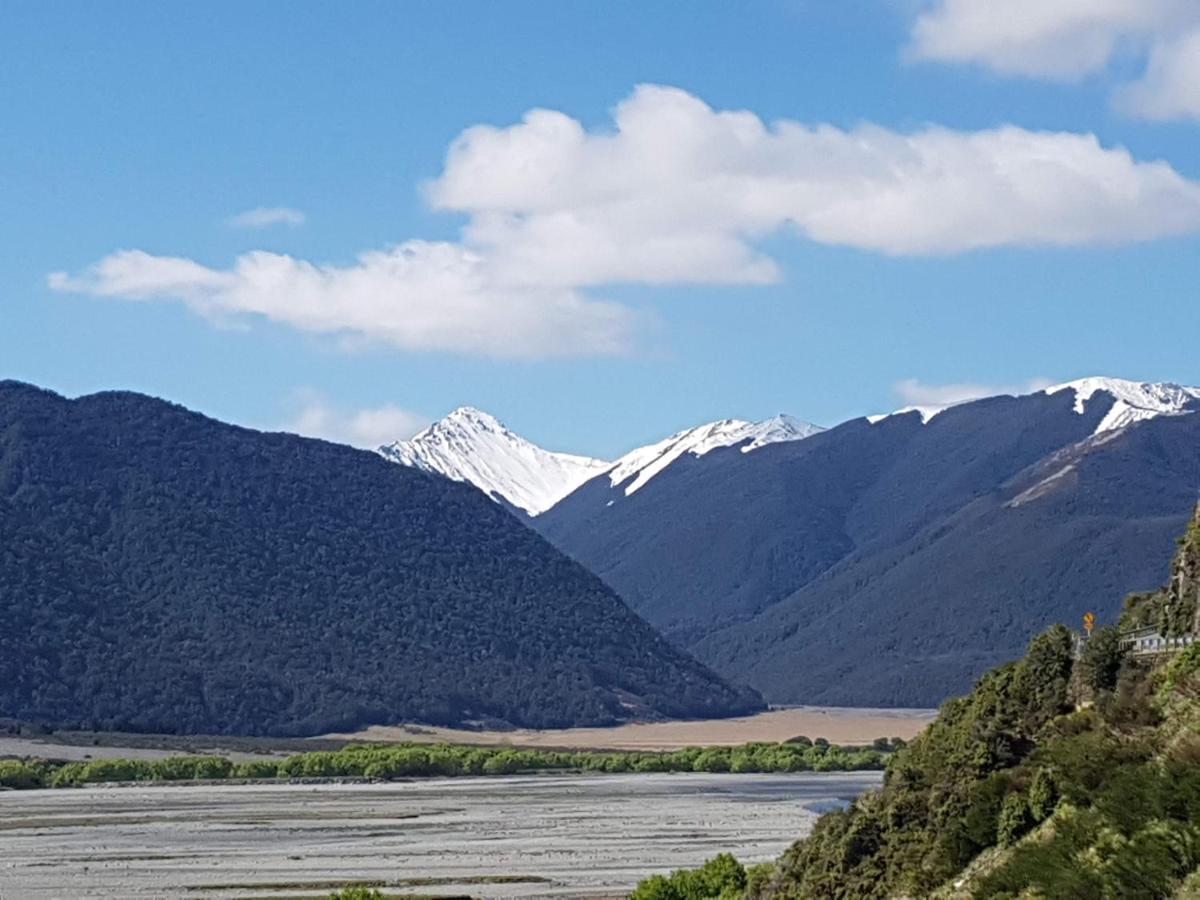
x=636 y=468
x=1133 y=401
x=472 y=446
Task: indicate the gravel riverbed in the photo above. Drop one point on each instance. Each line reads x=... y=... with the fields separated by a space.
x=560 y=835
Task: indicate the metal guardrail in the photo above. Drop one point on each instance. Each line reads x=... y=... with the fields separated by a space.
x=1147 y=642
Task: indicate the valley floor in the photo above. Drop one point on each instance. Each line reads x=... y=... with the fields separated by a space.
x=488 y=837
x=835 y=724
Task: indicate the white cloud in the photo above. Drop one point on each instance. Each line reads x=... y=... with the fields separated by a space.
x=266 y=216
x=932 y=398
x=417 y=296
x=675 y=193
x=1069 y=39
x=315 y=416
x=680 y=192
x=1170 y=87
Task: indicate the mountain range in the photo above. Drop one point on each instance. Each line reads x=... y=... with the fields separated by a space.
x=161 y=571
x=890 y=560
x=470 y=445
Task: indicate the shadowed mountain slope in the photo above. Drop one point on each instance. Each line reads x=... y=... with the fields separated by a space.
x=891 y=563
x=161 y=571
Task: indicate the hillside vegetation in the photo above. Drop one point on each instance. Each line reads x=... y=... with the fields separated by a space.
x=164 y=572
x=1059 y=776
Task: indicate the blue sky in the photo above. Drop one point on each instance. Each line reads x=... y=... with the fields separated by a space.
x=888 y=240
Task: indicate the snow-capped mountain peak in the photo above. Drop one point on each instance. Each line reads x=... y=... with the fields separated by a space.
x=635 y=469
x=1134 y=401
x=472 y=446
x=781 y=427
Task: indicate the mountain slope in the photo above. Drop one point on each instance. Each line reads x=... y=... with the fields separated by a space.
x=469 y=445
x=1060 y=775
x=1068 y=773
x=915 y=621
x=804 y=568
x=160 y=571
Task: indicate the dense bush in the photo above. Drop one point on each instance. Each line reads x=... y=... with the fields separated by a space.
x=19 y=775
x=384 y=761
x=163 y=572
x=1113 y=796
x=721 y=876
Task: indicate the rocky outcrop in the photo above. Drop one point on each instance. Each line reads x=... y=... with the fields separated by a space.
x=1180 y=608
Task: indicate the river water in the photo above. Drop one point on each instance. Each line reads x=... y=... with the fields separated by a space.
x=570 y=835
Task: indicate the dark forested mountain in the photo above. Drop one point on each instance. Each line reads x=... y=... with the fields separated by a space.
x=161 y=571
x=889 y=563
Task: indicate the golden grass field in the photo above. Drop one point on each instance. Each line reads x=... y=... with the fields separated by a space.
x=839 y=726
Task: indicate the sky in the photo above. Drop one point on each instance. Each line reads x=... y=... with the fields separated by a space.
x=600 y=222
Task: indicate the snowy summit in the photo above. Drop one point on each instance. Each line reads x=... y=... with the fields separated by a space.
x=470 y=445
x=1133 y=401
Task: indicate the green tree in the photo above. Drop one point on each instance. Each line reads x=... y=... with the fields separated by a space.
x=1100 y=663
x=1043 y=795
x=1014 y=821
x=656 y=887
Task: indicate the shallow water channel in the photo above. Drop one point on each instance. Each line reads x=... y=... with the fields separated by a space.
x=568 y=835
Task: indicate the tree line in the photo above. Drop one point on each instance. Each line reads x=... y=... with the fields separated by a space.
x=386 y=761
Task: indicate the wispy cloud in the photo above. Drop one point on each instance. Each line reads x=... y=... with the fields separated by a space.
x=936 y=397
x=313 y=415
x=1067 y=40
x=266 y=216
x=675 y=193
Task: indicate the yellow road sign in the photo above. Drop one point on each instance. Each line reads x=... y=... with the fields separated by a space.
x=1089 y=621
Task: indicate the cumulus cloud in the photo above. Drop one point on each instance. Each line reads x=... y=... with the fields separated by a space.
x=680 y=192
x=314 y=416
x=1067 y=40
x=417 y=296
x=266 y=216
x=933 y=398
x=675 y=192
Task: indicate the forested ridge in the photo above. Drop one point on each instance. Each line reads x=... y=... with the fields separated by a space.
x=1063 y=775
x=161 y=571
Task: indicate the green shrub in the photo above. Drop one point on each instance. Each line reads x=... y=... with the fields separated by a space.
x=18 y=775
x=1043 y=795
x=191 y=768
x=714 y=759
x=107 y=770
x=656 y=887
x=758 y=877
x=722 y=876
x=1014 y=822
x=258 y=768
x=357 y=893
